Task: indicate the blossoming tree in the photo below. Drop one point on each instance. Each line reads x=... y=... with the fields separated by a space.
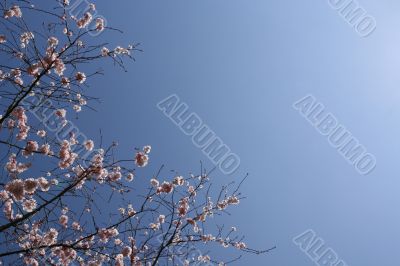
x=53 y=180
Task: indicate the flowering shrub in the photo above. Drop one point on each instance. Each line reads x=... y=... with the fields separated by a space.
x=53 y=184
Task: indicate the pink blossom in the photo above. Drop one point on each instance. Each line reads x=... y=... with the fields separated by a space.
x=31 y=261
x=105 y=51
x=222 y=205
x=10 y=124
x=17 y=11
x=50 y=237
x=8 y=210
x=29 y=205
x=161 y=218
x=126 y=251
x=30 y=185
x=11 y=165
x=19 y=114
x=41 y=133
x=154 y=182
x=19 y=81
x=45 y=149
x=121 y=51
x=179 y=181
x=65 y=82
x=154 y=226
x=192 y=190
x=77 y=108
x=30 y=148
x=115 y=175
x=85 y=20
x=99 y=24
x=52 y=41
x=4 y=195
x=207 y=238
x=16 y=188
x=106 y=234
x=16 y=168
x=76 y=226
x=204 y=259
x=183 y=207
x=147 y=149
x=15 y=72
x=3 y=38
x=59 y=67
x=141 y=159
x=131 y=211
x=240 y=245
x=14 y=11
x=89 y=144
x=64 y=220
x=233 y=200
x=119 y=260
x=33 y=69
x=61 y=113
x=165 y=187
x=80 y=77
x=44 y=184
x=25 y=38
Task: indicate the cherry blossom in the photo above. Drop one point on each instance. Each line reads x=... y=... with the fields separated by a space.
x=14 y=11
x=80 y=77
x=141 y=159
x=85 y=20
x=3 y=39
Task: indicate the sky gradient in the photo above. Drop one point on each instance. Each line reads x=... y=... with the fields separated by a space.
x=240 y=66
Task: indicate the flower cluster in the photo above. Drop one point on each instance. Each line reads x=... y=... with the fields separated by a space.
x=14 y=11
x=142 y=157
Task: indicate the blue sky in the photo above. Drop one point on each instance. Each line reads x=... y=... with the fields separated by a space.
x=240 y=65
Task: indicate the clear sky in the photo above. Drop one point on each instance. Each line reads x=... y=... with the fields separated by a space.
x=240 y=65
